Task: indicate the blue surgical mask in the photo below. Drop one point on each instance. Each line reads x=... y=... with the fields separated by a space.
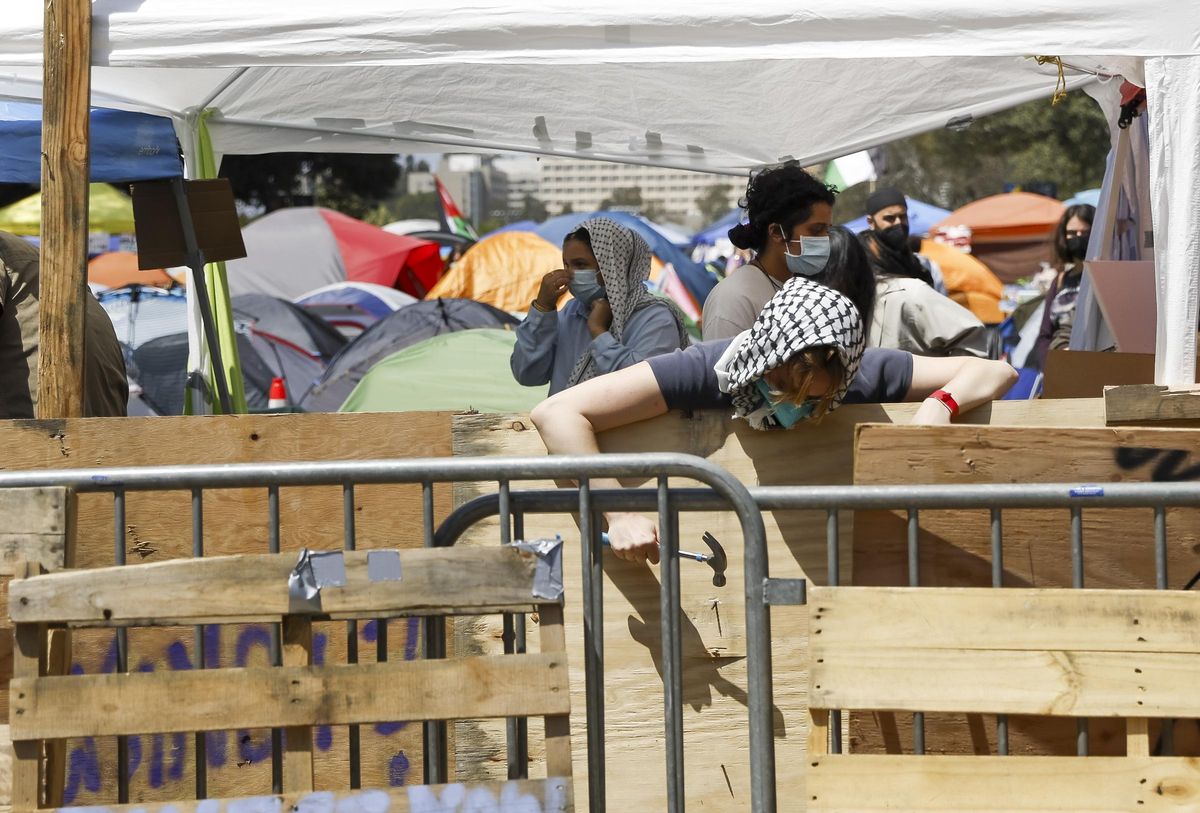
x=786 y=413
x=585 y=286
x=812 y=259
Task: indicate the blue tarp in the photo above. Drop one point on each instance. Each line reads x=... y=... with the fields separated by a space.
x=921 y=218
x=125 y=146
x=694 y=276
x=709 y=235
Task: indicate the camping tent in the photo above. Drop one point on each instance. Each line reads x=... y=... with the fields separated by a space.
x=140 y=314
x=289 y=252
x=460 y=371
x=108 y=211
x=352 y=307
x=309 y=76
x=921 y=217
x=405 y=327
x=1012 y=233
x=969 y=282
x=116 y=269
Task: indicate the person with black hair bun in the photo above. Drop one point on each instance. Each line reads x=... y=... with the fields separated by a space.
x=1070 y=249
x=789 y=226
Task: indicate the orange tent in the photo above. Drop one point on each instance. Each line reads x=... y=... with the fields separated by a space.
x=1012 y=216
x=120 y=268
x=969 y=282
x=1013 y=234
x=504 y=270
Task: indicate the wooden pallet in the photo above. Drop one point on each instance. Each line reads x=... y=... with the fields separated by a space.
x=297 y=695
x=1132 y=654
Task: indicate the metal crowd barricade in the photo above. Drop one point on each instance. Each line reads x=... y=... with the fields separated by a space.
x=727 y=493
x=762 y=591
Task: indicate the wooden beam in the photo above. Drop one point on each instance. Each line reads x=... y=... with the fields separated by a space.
x=1063 y=683
x=251 y=588
x=66 y=94
x=1128 y=621
x=553 y=795
x=1152 y=404
x=954 y=783
x=223 y=699
x=298 y=752
x=553 y=640
x=37 y=527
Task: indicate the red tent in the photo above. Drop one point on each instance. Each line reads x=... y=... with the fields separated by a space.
x=291 y=252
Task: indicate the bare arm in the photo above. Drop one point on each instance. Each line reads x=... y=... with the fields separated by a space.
x=570 y=420
x=970 y=381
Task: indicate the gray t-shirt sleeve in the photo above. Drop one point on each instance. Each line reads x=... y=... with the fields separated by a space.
x=687 y=379
x=884 y=377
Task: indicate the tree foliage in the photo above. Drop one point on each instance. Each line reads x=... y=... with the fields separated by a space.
x=352 y=184
x=714 y=203
x=1035 y=143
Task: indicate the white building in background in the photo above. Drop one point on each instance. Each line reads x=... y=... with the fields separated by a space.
x=583 y=185
x=512 y=179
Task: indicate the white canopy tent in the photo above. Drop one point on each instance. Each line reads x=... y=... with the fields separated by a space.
x=699 y=84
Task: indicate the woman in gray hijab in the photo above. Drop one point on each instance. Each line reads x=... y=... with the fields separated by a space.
x=612 y=323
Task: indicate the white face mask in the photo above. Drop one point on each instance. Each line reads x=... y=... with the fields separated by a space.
x=813 y=256
x=585 y=286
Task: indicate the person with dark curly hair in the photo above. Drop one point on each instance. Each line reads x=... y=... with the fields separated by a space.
x=789 y=226
x=1070 y=249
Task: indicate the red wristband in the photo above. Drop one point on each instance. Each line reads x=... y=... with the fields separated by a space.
x=947 y=401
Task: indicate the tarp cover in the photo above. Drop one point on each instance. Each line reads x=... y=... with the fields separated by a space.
x=460 y=371
x=108 y=211
x=126 y=146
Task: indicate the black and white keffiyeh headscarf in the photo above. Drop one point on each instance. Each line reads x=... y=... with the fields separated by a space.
x=802 y=314
x=624 y=260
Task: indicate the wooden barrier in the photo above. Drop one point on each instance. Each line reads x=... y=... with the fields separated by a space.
x=1125 y=654
x=159 y=528
x=955 y=546
x=714 y=690
x=297 y=695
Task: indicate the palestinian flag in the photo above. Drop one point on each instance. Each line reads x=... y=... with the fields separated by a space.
x=849 y=170
x=451 y=216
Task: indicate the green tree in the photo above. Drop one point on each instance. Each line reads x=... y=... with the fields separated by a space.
x=714 y=203
x=1033 y=143
x=533 y=209
x=352 y=184
x=420 y=206
x=625 y=197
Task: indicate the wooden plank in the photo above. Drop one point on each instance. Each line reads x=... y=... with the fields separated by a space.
x=713 y=620
x=6 y=769
x=818 y=734
x=249 y=588
x=1137 y=737
x=27 y=774
x=1133 y=621
x=558 y=727
x=1068 y=683
x=552 y=795
x=298 y=751
x=37 y=526
x=58 y=662
x=1151 y=404
x=66 y=93
x=952 y=783
x=492 y=686
x=159 y=527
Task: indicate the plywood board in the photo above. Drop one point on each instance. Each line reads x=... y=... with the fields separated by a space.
x=1148 y=404
x=159 y=527
x=1098 y=784
x=955 y=546
x=713 y=642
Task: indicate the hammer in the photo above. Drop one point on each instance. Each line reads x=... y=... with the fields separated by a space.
x=716 y=560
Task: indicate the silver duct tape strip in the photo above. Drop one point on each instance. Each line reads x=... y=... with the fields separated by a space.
x=547 y=576
x=383 y=566
x=314 y=570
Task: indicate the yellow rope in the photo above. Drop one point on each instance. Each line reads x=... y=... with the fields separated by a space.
x=1060 y=89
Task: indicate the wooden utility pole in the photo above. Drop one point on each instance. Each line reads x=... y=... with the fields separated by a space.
x=66 y=95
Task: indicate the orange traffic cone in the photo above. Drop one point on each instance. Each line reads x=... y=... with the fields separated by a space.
x=277 y=397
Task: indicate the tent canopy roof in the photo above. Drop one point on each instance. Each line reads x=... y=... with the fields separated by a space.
x=360 y=77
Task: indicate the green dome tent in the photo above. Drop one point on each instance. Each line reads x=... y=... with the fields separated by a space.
x=464 y=370
x=108 y=211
